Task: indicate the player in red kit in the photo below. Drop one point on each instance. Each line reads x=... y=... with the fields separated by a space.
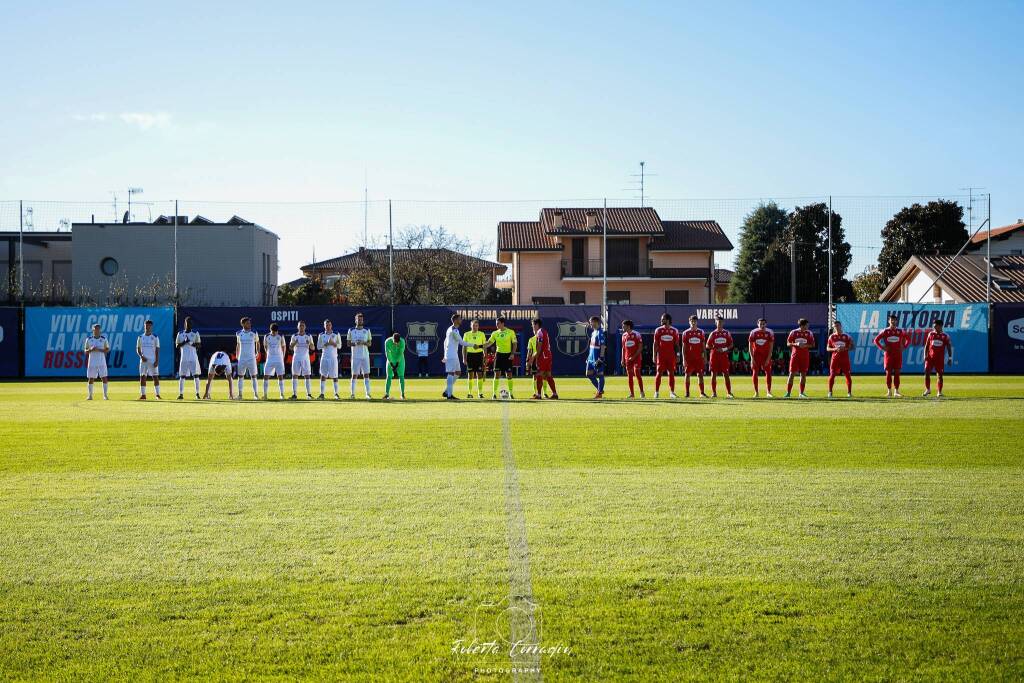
x=543 y=360
x=720 y=345
x=632 y=356
x=666 y=354
x=936 y=345
x=839 y=345
x=800 y=343
x=761 y=343
x=892 y=340
x=693 y=355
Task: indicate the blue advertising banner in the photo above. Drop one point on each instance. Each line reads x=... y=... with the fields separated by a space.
x=1008 y=338
x=966 y=324
x=54 y=338
x=10 y=342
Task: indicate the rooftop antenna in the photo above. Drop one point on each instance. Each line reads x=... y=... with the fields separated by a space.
x=114 y=194
x=366 y=205
x=641 y=182
x=132 y=191
x=970 y=207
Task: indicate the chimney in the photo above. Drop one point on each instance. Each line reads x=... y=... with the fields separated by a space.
x=591 y=219
x=557 y=223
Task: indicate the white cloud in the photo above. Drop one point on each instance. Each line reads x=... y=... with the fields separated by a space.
x=96 y=117
x=146 y=120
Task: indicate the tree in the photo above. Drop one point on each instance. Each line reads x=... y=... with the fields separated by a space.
x=309 y=293
x=808 y=226
x=762 y=267
x=935 y=228
x=431 y=266
x=869 y=285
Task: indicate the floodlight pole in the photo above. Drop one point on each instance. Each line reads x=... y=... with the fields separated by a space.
x=830 y=309
x=988 y=254
x=604 y=263
x=175 y=252
x=391 y=265
x=21 y=251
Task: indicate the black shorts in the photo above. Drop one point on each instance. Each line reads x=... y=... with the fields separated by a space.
x=502 y=362
x=475 y=362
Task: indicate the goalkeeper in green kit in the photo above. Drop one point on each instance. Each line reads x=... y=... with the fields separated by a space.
x=394 y=354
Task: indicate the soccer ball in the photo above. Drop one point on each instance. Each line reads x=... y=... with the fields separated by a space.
x=504 y=394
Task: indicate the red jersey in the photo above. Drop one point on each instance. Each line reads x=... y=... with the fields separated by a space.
x=935 y=344
x=804 y=340
x=543 y=344
x=693 y=343
x=842 y=343
x=892 y=340
x=666 y=342
x=760 y=342
x=632 y=343
x=719 y=341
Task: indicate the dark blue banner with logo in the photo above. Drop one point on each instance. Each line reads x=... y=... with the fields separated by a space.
x=54 y=339
x=10 y=342
x=1008 y=338
x=966 y=325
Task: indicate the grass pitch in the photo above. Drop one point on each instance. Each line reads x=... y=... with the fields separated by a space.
x=816 y=539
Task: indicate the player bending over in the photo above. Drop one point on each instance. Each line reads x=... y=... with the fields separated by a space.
x=453 y=341
x=839 y=344
x=220 y=366
x=595 y=356
x=936 y=344
x=505 y=343
x=359 y=339
x=800 y=341
x=301 y=344
x=761 y=343
x=247 y=350
x=188 y=343
x=274 y=345
x=148 y=348
x=693 y=355
x=666 y=353
x=632 y=356
x=394 y=354
x=473 y=357
x=542 y=360
x=328 y=343
x=892 y=340
x=96 y=349
x=720 y=346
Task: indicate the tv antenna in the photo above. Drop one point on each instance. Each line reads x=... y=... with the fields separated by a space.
x=131 y=191
x=640 y=182
x=970 y=207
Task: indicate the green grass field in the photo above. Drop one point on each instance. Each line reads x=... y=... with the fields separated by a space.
x=848 y=539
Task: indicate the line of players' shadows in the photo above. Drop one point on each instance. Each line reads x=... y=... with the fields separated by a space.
x=647 y=402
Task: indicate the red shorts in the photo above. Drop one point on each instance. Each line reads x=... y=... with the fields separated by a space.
x=894 y=363
x=695 y=365
x=667 y=364
x=720 y=362
x=761 y=364
x=799 y=363
x=935 y=364
x=543 y=363
x=839 y=366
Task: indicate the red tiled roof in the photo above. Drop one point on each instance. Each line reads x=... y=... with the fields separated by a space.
x=348 y=261
x=965 y=276
x=621 y=221
x=696 y=235
x=525 y=236
x=723 y=275
x=1003 y=232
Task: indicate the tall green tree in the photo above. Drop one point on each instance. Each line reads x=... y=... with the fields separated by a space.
x=868 y=285
x=934 y=228
x=808 y=227
x=762 y=267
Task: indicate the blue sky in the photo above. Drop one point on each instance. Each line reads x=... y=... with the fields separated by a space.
x=434 y=101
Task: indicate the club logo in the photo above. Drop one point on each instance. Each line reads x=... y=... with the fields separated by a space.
x=572 y=339
x=418 y=332
x=1015 y=328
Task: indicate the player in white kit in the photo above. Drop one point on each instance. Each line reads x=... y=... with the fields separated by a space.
x=148 y=348
x=328 y=343
x=247 y=350
x=188 y=343
x=275 y=345
x=453 y=343
x=220 y=366
x=96 y=349
x=301 y=343
x=359 y=339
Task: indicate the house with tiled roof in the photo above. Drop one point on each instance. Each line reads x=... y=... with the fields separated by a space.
x=330 y=271
x=557 y=258
x=1006 y=241
x=957 y=279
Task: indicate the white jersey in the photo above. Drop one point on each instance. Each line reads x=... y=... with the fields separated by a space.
x=96 y=365
x=323 y=342
x=93 y=344
x=220 y=360
x=452 y=342
x=274 y=344
x=359 y=334
x=301 y=343
x=147 y=346
x=188 y=340
x=247 y=344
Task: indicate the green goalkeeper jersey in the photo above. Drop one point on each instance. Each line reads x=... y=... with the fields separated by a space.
x=395 y=351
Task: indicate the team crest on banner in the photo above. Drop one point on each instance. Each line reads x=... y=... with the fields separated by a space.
x=572 y=338
x=421 y=332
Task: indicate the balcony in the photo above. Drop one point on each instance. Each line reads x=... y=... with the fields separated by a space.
x=641 y=268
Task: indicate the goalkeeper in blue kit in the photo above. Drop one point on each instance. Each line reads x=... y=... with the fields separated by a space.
x=595 y=356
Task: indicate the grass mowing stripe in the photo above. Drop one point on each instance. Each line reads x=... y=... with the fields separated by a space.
x=522 y=617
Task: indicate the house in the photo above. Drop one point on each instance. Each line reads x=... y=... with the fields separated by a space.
x=557 y=258
x=723 y=276
x=949 y=279
x=1006 y=241
x=331 y=271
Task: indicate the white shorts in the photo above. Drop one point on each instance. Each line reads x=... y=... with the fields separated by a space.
x=329 y=367
x=214 y=369
x=452 y=365
x=300 y=366
x=274 y=367
x=246 y=365
x=189 y=367
x=360 y=366
x=96 y=369
x=147 y=369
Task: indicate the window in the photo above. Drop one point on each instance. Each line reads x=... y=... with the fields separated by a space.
x=109 y=266
x=621 y=297
x=677 y=296
x=548 y=301
x=577 y=297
